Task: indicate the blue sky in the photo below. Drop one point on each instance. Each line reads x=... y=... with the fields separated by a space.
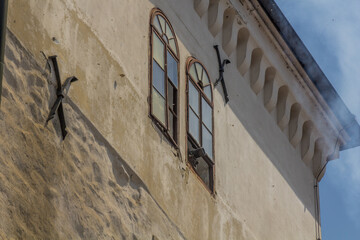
x=331 y=31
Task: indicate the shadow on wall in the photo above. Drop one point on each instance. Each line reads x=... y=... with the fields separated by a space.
x=53 y=189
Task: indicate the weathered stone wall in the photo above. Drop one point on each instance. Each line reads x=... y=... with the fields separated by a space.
x=79 y=188
x=82 y=187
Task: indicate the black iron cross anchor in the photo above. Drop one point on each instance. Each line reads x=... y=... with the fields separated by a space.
x=60 y=92
x=221 y=73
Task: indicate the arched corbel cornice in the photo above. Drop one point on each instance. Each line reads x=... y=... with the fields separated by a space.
x=257 y=84
x=230 y=31
x=271 y=89
x=201 y=6
x=295 y=124
x=216 y=16
x=283 y=107
x=254 y=65
x=308 y=142
x=245 y=46
x=256 y=57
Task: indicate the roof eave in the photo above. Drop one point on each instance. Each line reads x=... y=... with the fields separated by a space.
x=312 y=69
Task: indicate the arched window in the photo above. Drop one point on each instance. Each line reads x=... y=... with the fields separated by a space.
x=200 y=127
x=164 y=75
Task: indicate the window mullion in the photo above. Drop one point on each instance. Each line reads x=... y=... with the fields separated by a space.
x=166 y=88
x=210 y=131
x=151 y=69
x=200 y=120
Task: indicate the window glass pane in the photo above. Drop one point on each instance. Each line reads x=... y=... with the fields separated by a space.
x=173 y=45
x=203 y=170
x=169 y=32
x=205 y=79
x=206 y=114
x=172 y=69
x=194 y=98
x=198 y=70
x=158 y=106
x=158 y=50
x=207 y=91
x=158 y=78
x=157 y=24
x=162 y=23
x=172 y=125
x=172 y=97
x=207 y=141
x=194 y=127
x=193 y=73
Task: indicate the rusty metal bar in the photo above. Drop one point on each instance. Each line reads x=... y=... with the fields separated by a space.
x=221 y=73
x=60 y=92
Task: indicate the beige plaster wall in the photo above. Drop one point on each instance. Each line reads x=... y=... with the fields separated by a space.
x=263 y=188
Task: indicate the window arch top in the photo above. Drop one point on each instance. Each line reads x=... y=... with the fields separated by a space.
x=163 y=27
x=199 y=75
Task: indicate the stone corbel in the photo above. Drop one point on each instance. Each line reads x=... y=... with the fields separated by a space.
x=257 y=83
x=216 y=16
x=308 y=142
x=271 y=90
x=245 y=47
x=283 y=107
x=230 y=31
x=201 y=6
x=296 y=123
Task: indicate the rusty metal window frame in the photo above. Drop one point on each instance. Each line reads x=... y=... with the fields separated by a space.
x=190 y=138
x=161 y=34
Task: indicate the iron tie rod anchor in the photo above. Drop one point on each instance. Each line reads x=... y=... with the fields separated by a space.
x=60 y=92
x=221 y=73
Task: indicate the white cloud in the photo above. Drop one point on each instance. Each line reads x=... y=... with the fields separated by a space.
x=347 y=179
x=336 y=22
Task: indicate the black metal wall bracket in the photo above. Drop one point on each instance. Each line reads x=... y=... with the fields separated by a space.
x=221 y=73
x=60 y=92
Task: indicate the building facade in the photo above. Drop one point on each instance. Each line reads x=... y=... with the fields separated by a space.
x=154 y=150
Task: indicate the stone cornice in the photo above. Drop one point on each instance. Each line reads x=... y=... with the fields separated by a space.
x=304 y=117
